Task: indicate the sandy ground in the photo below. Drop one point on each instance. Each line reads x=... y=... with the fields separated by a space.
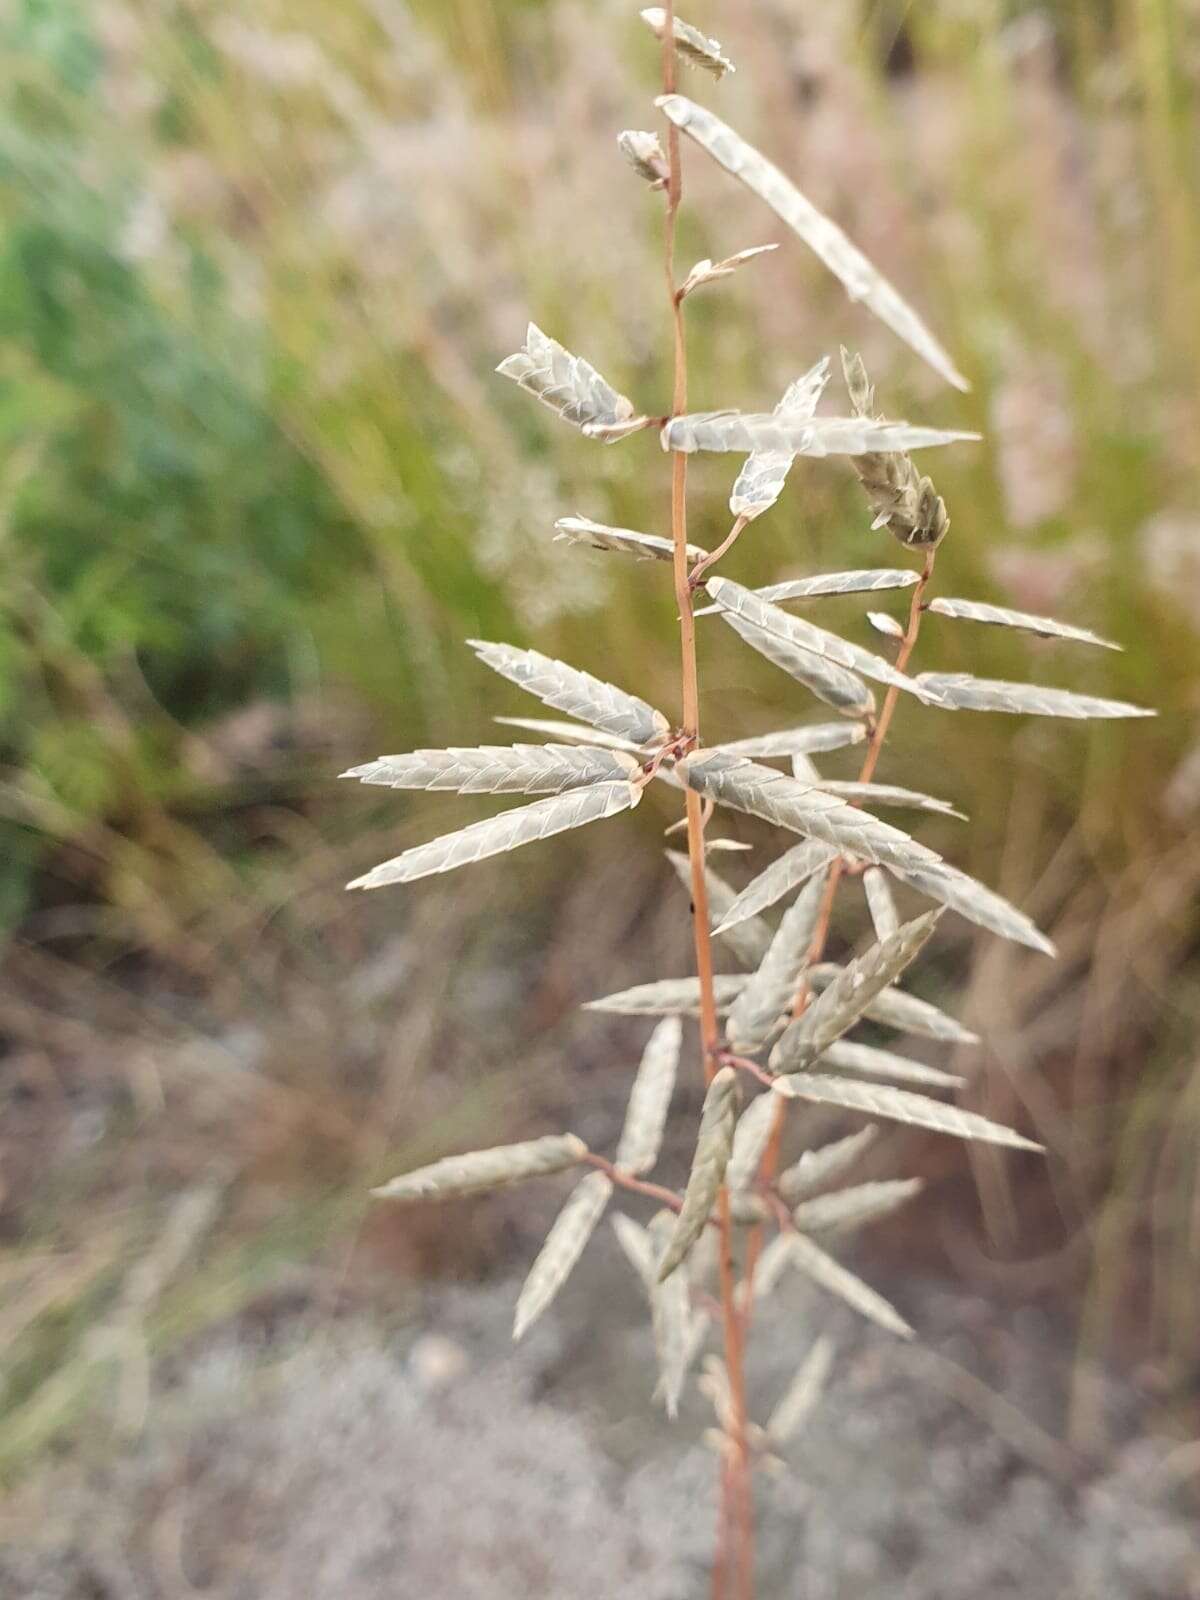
x=345 y=1461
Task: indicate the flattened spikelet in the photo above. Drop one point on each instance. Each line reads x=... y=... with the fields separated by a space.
x=810 y=740
x=637 y=1247
x=823 y=237
x=570 y=730
x=900 y=1105
x=830 y=1274
x=959 y=691
x=564 y=1245
x=498 y=769
x=831 y=684
x=510 y=830
x=840 y=1006
x=801 y=1396
x=670 y=1310
x=645 y=155
x=645 y=1118
x=794 y=867
x=870 y=580
x=478 y=1170
x=750 y=938
x=895 y=1009
x=690 y=43
x=976 y=902
x=801 y=635
x=624 y=541
x=763 y=792
x=747 y=431
x=847 y=1209
x=714 y=1142
x=817 y=1168
x=884 y=917
x=669 y=996
x=577 y=693
x=848 y=1056
x=764 y=472
x=568 y=384
x=757 y=1012
x=890 y=794
x=707 y=271
x=750 y=1138
x=1001 y=616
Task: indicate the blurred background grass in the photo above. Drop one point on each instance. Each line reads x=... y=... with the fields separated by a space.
x=258 y=482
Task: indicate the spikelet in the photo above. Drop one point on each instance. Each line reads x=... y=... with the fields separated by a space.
x=714 y=1142
x=670 y=1312
x=884 y=917
x=570 y=386
x=478 y=1170
x=826 y=240
x=757 y=1012
x=764 y=472
x=845 y=1210
x=577 y=693
x=830 y=1274
x=831 y=684
x=750 y=938
x=707 y=271
x=1001 y=616
x=745 y=431
x=623 y=541
x=645 y=1118
x=895 y=1009
x=498 y=769
x=900 y=1105
x=976 y=902
x=793 y=868
x=959 y=691
x=690 y=43
x=813 y=739
x=903 y=500
x=670 y=996
x=645 y=155
x=846 y=1055
x=564 y=1245
x=750 y=1138
x=817 y=1168
x=801 y=1396
x=840 y=1006
x=495 y=835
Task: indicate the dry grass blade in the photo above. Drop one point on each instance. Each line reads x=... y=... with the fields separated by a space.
x=564 y=1245
x=577 y=693
x=746 y=431
x=847 y=1209
x=714 y=1142
x=758 y=1011
x=801 y=1396
x=645 y=155
x=811 y=740
x=670 y=1310
x=885 y=919
x=764 y=472
x=959 y=691
x=670 y=997
x=499 y=769
x=568 y=384
x=823 y=237
x=831 y=684
x=958 y=892
x=624 y=541
x=890 y=794
x=509 y=831
x=749 y=1141
x=744 y=603
x=900 y=1105
x=794 y=867
x=645 y=1118
x=750 y=938
x=831 y=1275
x=570 y=730
x=849 y=1056
x=1002 y=617
x=895 y=1009
x=817 y=1168
x=478 y=1170
x=840 y=1006
x=763 y=792
x=690 y=43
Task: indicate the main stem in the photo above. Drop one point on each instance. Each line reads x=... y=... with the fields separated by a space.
x=733 y=1571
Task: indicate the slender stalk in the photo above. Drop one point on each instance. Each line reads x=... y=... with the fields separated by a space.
x=735 y=1544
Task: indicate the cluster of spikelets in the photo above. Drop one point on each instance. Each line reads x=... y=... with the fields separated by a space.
x=612 y=744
